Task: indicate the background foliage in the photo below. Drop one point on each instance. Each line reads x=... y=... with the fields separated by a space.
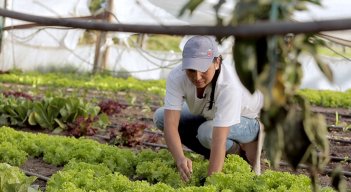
x=270 y=64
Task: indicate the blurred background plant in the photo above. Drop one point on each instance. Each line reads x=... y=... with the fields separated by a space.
x=270 y=64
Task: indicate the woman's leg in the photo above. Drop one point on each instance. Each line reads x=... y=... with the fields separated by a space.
x=188 y=126
x=245 y=133
x=249 y=134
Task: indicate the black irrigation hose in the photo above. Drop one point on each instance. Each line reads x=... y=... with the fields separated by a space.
x=326 y=171
x=339 y=140
x=102 y=137
x=41 y=177
x=339 y=159
x=335 y=127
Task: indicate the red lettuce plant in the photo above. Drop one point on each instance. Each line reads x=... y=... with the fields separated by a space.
x=111 y=107
x=131 y=134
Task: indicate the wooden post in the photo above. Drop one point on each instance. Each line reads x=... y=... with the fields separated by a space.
x=96 y=67
x=2 y=25
x=101 y=48
x=105 y=55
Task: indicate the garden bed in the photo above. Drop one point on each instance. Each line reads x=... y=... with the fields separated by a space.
x=140 y=107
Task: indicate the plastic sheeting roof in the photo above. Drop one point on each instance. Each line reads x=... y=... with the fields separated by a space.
x=47 y=36
x=44 y=46
x=158 y=12
x=205 y=14
x=141 y=12
x=330 y=9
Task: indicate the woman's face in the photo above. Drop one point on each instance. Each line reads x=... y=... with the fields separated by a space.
x=202 y=79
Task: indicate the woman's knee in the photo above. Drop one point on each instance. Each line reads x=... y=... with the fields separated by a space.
x=246 y=131
x=159 y=118
x=204 y=134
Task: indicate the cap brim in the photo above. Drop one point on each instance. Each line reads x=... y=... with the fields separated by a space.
x=198 y=64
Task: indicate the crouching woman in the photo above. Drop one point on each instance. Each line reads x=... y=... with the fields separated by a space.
x=208 y=110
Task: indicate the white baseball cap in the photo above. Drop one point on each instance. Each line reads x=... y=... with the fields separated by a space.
x=199 y=52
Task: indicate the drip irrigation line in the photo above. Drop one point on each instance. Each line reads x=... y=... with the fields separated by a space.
x=113 y=126
x=343 y=114
x=338 y=159
x=326 y=170
x=102 y=137
x=41 y=177
x=339 y=140
x=335 y=127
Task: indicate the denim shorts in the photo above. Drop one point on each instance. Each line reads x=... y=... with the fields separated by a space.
x=244 y=132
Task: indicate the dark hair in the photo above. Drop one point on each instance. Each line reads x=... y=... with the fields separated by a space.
x=214 y=81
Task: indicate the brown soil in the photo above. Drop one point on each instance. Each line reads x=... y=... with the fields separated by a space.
x=141 y=112
x=38 y=166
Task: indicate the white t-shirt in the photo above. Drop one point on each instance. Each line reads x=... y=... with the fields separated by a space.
x=231 y=99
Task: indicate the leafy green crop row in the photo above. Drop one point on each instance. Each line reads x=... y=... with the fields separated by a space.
x=13 y=179
x=99 y=82
x=90 y=166
x=104 y=82
x=327 y=98
x=48 y=113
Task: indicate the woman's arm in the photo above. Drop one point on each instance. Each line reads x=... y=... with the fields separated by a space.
x=171 y=122
x=218 y=149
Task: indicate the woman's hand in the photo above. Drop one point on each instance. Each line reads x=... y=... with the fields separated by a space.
x=185 y=168
x=174 y=144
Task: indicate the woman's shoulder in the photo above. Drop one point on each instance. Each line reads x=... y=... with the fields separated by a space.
x=228 y=75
